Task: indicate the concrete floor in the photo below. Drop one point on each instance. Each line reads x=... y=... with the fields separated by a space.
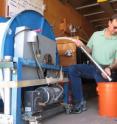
x=90 y=116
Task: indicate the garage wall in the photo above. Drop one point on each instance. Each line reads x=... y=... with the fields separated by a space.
x=2 y=7
x=56 y=11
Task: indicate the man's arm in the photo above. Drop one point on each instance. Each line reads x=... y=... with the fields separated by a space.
x=111 y=67
x=81 y=44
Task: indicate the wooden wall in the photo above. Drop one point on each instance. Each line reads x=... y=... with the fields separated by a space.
x=56 y=11
x=2 y=8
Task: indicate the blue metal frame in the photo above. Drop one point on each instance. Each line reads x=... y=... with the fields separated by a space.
x=16 y=92
x=16 y=95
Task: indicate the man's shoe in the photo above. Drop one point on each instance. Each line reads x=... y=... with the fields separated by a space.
x=78 y=108
x=76 y=111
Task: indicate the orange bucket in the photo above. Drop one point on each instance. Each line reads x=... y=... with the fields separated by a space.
x=107 y=98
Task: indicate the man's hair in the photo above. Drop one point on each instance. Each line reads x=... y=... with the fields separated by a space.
x=114 y=16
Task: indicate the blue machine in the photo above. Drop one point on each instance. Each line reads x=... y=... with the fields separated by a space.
x=33 y=20
x=28 y=18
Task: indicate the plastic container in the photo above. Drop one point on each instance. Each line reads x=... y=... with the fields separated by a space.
x=107 y=99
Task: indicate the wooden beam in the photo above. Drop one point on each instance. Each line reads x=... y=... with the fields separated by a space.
x=100 y=19
x=28 y=83
x=107 y=7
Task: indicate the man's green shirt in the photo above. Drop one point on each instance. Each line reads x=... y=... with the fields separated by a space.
x=104 y=50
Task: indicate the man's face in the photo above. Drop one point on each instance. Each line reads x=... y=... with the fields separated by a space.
x=113 y=27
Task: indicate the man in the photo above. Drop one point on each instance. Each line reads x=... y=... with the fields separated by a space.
x=103 y=47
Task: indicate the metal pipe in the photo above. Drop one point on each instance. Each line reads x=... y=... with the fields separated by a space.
x=98 y=66
x=7 y=92
x=90 y=57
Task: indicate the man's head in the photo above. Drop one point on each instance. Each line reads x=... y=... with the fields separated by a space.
x=112 y=24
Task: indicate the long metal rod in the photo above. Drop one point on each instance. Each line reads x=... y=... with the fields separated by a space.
x=98 y=66
x=90 y=57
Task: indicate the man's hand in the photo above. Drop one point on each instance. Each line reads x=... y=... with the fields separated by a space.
x=79 y=43
x=108 y=72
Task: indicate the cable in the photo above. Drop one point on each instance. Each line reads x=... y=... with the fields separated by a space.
x=41 y=74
